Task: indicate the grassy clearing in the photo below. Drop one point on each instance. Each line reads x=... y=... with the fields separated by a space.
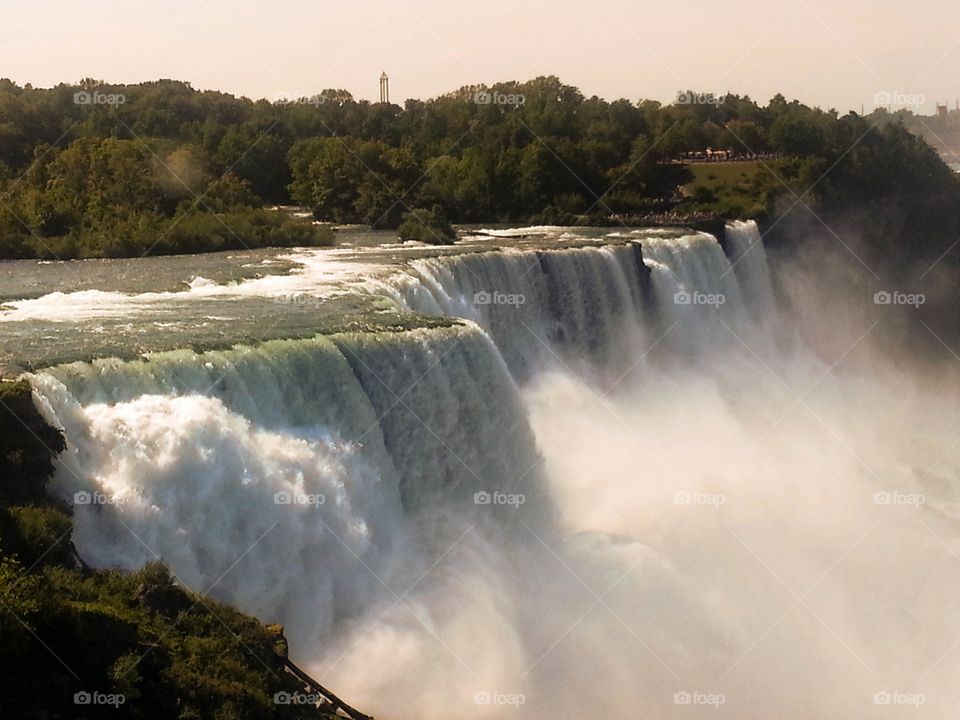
x=730 y=189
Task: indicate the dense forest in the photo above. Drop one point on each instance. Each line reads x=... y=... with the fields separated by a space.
x=113 y=170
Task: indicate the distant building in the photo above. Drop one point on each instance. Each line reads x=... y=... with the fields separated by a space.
x=384 y=88
x=941 y=110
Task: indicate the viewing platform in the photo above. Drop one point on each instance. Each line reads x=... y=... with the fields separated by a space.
x=720 y=156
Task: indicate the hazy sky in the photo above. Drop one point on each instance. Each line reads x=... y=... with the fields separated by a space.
x=824 y=52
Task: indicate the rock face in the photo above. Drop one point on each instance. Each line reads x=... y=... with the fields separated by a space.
x=28 y=447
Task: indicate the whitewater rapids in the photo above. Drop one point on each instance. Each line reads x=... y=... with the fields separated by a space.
x=622 y=485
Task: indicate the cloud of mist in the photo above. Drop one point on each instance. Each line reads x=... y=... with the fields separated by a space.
x=759 y=520
x=753 y=533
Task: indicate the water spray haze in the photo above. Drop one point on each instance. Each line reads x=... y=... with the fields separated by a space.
x=719 y=517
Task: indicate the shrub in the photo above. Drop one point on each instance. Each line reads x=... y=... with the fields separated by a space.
x=429 y=226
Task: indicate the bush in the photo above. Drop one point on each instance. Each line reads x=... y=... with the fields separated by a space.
x=428 y=226
x=36 y=534
x=247 y=228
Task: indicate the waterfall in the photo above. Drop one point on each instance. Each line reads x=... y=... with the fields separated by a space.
x=596 y=307
x=538 y=307
x=356 y=434
x=373 y=430
x=591 y=492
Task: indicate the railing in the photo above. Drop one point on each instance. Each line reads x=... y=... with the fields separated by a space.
x=719 y=156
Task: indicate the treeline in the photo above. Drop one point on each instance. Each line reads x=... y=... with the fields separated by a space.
x=116 y=198
x=97 y=169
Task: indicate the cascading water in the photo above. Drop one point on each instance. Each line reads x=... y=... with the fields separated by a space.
x=604 y=492
x=532 y=303
x=355 y=433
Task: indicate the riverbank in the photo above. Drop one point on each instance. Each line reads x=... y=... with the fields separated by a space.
x=153 y=234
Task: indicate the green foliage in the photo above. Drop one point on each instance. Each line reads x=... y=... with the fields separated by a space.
x=242 y=228
x=108 y=628
x=734 y=190
x=36 y=534
x=174 y=170
x=352 y=180
x=18 y=591
x=429 y=226
x=114 y=198
x=27 y=447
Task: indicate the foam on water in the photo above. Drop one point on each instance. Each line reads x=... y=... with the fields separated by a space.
x=320 y=272
x=600 y=494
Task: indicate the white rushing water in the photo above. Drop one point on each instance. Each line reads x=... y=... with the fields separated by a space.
x=622 y=487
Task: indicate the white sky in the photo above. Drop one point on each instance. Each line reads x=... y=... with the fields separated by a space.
x=828 y=53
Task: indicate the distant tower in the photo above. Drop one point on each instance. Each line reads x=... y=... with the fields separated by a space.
x=384 y=88
x=942 y=110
